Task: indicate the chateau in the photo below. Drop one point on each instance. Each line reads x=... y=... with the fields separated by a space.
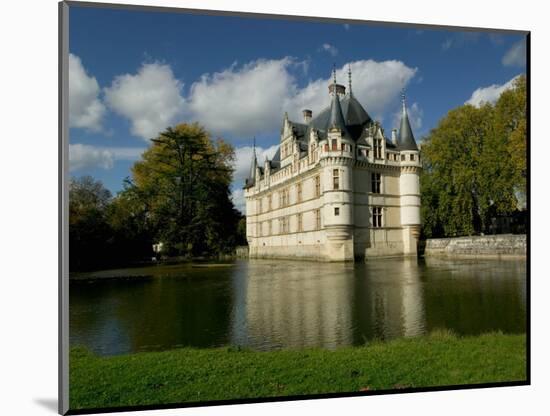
x=337 y=189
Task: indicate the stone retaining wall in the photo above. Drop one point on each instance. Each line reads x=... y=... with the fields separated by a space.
x=241 y=252
x=478 y=246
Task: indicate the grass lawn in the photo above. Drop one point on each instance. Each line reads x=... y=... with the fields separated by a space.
x=191 y=375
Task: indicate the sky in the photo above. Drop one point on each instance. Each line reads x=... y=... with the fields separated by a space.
x=134 y=73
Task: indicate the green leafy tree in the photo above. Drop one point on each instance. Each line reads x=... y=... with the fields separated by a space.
x=128 y=219
x=183 y=180
x=474 y=165
x=89 y=231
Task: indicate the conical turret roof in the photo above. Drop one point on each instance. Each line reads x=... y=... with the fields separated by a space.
x=251 y=179
x=405 y=139
x=336 y=118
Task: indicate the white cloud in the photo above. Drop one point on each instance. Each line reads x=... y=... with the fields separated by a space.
x=415 y=114
x=85 y=108
x=243 y=159
x=151 y=99
x=246 y=100
x=243 y=101
x=237 y=195
x=375 y=84
x=83 y=156
x=489 y=94
x=459 y=39
x=327 y=47
x=447 y=44
x=515 y=56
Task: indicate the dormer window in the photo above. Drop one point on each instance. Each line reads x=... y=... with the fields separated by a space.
x=377 y=148
x=334 y=144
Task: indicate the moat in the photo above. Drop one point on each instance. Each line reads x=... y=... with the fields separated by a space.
x=274 y=304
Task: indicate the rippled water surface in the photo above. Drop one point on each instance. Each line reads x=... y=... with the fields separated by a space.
x=273 y=304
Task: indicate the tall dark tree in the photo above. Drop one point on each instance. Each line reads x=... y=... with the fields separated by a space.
x=89 y=231
x=184 y=179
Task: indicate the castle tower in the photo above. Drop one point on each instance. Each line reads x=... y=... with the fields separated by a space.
x=409 y=183
x=250 y=182
x=337 y=165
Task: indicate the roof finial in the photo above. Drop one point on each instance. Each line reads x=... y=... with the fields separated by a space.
x=334 y=73
x=254 y=145
x=349 y=78
x=403 y=100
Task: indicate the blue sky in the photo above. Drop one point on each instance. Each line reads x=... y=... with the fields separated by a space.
x=133 y=73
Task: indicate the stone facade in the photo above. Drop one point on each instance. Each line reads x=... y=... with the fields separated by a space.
x=337 y=189
x=501 y=245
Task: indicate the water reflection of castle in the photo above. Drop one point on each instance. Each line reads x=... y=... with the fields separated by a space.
x=326 y=305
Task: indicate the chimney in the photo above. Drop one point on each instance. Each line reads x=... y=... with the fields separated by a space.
x=340 y=89
x=307 y=115
x=394 y=136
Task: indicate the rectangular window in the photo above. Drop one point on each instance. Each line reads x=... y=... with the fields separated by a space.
x=334 y=144
x=317 y=186
x=299 y=221
x=326 y=147
x=412 y=157
x=299 y=192
x=402 y=157
x=378 y=148
x=336 y=211
x=317 y=219
x=377 y=217
x=335 y=179
x=375 y=183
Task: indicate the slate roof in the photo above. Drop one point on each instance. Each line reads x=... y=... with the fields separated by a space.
x=351 y=118
x=405 y=139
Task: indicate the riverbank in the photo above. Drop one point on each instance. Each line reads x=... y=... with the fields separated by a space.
x=149 y=271
x=198 y=375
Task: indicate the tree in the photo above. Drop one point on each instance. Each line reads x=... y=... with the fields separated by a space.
x=474 y=165
x=128 y=219
x=89 y=231
x=183 y=179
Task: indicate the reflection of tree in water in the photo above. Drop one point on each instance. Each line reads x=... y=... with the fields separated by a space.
x=157 y=313
x=475 y=296
x=267 y=304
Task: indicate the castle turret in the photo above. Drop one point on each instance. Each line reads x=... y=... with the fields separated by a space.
x=338 y=176
x=249 y=184
x=409 y=183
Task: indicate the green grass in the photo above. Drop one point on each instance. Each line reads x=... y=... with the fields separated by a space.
x=191 y=375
